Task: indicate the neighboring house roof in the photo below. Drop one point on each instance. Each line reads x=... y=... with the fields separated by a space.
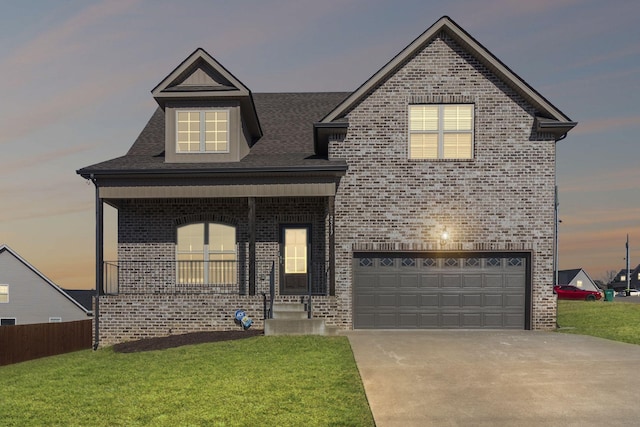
x=83 y=296
x=286 y=145
x=5 y=248
x=566 y=276
x=550 y=119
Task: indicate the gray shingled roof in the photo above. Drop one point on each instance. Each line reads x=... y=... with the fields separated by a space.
x=287 y=123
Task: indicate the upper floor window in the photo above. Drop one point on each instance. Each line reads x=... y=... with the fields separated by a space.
x=205 y=131
x=4 y=293
x=442 y=131
x=206 y=254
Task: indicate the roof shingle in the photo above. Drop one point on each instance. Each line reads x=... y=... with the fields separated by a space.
x=287 y=123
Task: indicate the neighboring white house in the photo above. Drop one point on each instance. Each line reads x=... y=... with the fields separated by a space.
x=578 y=278
x=28 y=296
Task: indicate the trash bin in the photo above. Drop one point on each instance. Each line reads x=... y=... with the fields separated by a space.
x=608 y=294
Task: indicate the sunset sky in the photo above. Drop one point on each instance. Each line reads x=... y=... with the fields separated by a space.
x=76 y=76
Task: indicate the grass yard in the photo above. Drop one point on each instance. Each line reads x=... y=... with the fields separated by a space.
x=618 y=321
x=259 y=381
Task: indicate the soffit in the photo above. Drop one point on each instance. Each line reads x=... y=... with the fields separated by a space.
x=211 y=191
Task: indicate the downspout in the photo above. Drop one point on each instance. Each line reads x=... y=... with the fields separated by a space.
x=99 y=262
x=556 y=219
x=556 y=208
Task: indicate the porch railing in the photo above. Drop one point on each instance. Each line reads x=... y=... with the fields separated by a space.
x=201 y=277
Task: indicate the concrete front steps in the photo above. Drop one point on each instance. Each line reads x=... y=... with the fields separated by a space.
x=290 y=318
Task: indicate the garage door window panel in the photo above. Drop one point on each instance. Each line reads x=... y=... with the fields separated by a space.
x=366 y=262
x=429 y=262
x=452 y=262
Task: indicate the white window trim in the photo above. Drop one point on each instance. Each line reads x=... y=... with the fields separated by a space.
x=441 y=132
x=7 y=301
x=203 y=131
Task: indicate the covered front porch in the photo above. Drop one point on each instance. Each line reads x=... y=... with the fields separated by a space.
x=235 y=252
x=219 y=239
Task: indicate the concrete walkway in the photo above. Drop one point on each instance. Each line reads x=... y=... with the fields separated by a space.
x=497 y=378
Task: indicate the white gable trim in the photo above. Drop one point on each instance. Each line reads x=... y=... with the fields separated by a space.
x=6 y=248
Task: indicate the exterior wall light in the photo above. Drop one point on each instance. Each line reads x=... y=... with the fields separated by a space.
x=444 y=237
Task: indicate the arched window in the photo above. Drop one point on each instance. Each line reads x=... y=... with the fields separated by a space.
x=206 y=254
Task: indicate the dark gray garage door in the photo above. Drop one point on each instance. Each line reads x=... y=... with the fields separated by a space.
x=464 y=290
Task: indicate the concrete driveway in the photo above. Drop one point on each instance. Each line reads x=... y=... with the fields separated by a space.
x=489 y=378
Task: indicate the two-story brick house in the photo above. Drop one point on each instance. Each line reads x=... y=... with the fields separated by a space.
x=423 y=199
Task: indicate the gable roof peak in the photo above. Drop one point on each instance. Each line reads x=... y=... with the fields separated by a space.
x=556 y=121
x=199 y=76
x=7 y=249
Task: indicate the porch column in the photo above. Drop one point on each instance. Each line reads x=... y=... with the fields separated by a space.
x=99 y=263
x=252 y=245
x=332 y=244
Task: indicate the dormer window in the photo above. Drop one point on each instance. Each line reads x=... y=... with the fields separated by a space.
x=204 y=131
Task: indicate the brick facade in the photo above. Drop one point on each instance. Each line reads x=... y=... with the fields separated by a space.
x=147 y=305
x=501 y=200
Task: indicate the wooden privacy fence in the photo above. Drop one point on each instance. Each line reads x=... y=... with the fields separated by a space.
x=25 y=342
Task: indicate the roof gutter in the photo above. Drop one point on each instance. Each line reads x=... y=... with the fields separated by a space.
x=322 y=131
x=555 y=127
x=90 y=174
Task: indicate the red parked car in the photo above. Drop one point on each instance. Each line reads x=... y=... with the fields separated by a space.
x=572 y=292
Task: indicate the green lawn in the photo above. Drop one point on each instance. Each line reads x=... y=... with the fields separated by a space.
x=618 y=321
x=260 y=381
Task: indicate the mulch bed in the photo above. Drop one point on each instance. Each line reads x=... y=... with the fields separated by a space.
x=171 y=341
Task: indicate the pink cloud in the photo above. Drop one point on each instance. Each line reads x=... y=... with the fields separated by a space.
x=603 y=180
x=602 y=219
x=607 y=56
x=64 y=40
x=603 y=125
x=39 y=159
x=484 y=13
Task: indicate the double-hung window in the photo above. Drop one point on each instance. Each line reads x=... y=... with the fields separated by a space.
x=206 y=254
x=441 y=131
x=4 y=293
x=205 y=131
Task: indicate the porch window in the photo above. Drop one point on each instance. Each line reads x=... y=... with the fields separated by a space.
x=206 y=254
x=441 y=131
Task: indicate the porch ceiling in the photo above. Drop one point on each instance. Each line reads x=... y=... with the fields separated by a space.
x=202 y=191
